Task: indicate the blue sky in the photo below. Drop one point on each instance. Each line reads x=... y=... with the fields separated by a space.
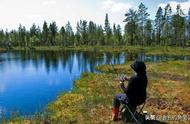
x=27 y=12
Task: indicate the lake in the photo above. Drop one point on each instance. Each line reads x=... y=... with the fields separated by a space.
x=29 y=80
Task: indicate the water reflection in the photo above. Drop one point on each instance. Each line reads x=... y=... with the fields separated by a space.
x=2 y=87
x=34 y=78
x=86 y=61
x=29 y=80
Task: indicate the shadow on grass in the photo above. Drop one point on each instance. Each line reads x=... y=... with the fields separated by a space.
x=155 y=122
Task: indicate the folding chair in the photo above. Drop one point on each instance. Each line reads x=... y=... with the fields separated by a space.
x=136 y=113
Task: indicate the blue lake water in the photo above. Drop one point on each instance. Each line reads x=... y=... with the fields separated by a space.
x=30 y=80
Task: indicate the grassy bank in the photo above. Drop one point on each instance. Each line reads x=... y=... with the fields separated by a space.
x=81 y=48
x=2 y=49
x=91 y=99
x=164 y=50
x=150 y=50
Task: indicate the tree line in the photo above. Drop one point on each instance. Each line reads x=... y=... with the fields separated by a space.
x=168 y=28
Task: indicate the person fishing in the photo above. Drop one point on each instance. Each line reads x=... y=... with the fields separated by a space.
x=135 y=93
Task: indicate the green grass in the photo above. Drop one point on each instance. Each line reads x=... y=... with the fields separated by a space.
x=149 y=50
x=83 y=48
x=164 y=50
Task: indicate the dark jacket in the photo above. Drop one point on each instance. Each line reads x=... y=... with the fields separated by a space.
x=136 y=89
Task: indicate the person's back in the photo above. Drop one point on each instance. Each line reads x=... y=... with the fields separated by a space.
x=136 y=89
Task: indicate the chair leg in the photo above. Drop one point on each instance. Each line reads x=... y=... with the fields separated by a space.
x=133 y=113
x=133 y=116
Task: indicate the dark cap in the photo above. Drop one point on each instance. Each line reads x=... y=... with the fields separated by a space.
x=138 y=66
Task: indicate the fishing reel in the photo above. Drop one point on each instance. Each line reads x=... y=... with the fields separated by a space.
x=123 y=78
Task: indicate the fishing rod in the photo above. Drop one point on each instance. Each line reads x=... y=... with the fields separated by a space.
x=114 y=69
x=120 y=76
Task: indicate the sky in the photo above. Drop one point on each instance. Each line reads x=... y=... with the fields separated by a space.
x=27 y=12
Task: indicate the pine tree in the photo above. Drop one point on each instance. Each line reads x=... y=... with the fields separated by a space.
x=33 y=30
x=78 y=34
x=84 y=32
x=116 y=42
x=142 y=19
x=14 y=38
x=100 y=35
x=188 y=26
x=7 y=40
x=179 y=10
x=158 y=23
x=22 y=33
x=131 y=26
x=167 y=26
x=168 y=12
x=178 y=23
x=11 y=38
x=108 y=31
x=1 y=37
x=117 y=35
x=34 y=36
x=69 y=34
x=62 y=33
x=92 y=33
x=45 y=34
x=148 y=32
x=53 y=32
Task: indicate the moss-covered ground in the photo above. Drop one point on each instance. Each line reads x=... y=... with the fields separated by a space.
x=91 y=99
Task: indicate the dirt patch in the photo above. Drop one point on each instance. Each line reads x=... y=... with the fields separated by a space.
x=163 y=104
x=173 y=77
x=188 y=66
x=159 y=103
x=186 y=109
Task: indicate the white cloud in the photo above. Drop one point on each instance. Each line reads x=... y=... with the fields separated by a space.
x=184 y=5
x=32 y=16
x=49 y=2
x=115 y=7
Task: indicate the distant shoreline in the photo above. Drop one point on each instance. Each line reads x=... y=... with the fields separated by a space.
x=149 y=50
